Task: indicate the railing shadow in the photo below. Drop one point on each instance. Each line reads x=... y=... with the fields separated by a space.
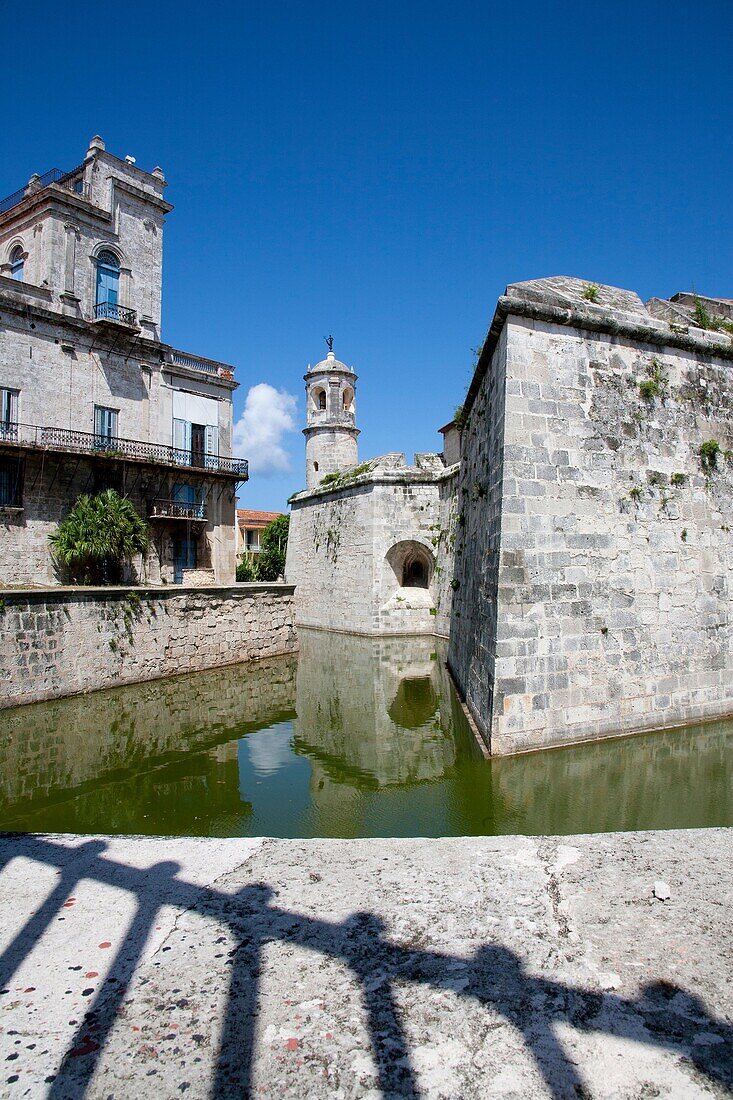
x=495 y=977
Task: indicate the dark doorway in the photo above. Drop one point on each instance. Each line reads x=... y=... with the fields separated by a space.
x=415 y=574
x=198 y=444
x=414 y=704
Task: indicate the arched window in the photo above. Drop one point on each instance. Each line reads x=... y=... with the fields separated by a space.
x=108 y=284
x=347 y=398
x=319 y=397
x=17 y=264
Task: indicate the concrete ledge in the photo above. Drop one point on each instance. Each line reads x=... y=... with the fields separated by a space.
x=553 y=967
x=157 y=592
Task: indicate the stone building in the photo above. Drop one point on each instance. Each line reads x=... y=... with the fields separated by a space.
x=593 y=561
x=578 y=548
x=369 y=544
x=250 y=525
x=331 y=432
x=90 y=395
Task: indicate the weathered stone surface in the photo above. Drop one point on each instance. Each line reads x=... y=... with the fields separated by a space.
x=63 y=641
x=348 y=543
x=594 y=560
x=470 y=967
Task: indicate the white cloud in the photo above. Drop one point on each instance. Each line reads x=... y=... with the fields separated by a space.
x=258 y=434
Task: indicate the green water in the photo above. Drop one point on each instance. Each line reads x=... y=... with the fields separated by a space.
x=354 y=737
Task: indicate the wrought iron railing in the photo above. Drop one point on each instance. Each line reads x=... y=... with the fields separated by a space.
x=110 y=311
x=177 y=509
x=64 y=439
x=68 y=180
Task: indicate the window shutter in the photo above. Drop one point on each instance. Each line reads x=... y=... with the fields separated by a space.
x=212 y=445
x=182 y=441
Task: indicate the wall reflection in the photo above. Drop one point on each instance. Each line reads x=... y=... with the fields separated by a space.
x=353 y=737
x=160 y=756
x=376 y=712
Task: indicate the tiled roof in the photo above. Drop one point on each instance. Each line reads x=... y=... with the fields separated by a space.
x=247 y=518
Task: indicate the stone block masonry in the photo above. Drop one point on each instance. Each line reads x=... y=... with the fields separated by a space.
x=594 y=560
x=349 y=542
x=66 y=641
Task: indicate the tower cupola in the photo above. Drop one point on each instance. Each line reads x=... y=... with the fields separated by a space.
x=330 y=432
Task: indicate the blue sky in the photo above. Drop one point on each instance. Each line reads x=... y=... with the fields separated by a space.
x=381 y=171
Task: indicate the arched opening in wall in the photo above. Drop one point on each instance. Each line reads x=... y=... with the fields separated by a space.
x=414 y=704
x=347 y=398
x=315 y=467
x=415 y=574
x=412 y=564
x=17 y=264
x=319 y=398
x=107 y=290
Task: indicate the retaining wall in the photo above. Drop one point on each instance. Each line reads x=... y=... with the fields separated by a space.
x=595 y=554
x=66 y=641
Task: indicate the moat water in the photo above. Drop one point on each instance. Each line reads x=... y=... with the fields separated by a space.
x=352 y=738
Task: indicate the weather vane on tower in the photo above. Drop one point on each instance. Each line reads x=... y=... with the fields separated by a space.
x=329 y=342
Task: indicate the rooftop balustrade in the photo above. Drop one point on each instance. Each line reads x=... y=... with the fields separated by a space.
x=71 y=181
x=200 y=363
x=33 y=436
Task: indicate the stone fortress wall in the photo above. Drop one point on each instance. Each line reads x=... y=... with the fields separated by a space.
x=352 y=540
x=67 y=641
x=594 y=550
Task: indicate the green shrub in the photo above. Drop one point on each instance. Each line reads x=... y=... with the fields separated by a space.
x=98 y=535
x=590 y=292
x=709 y=451
x=248 y=568
x=271 y=558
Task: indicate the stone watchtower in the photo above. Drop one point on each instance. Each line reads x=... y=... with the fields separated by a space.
x=330 y=434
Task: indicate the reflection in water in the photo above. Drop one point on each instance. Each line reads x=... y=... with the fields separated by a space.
x=269 y=750
x=414 y=704
x=356 y=737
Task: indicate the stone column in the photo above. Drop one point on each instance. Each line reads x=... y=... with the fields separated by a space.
x=126 y=287
x=69 y=299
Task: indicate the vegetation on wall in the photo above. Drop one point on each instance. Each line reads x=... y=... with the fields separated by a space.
x=712 y=322
x=709 y=451
x=99 y=534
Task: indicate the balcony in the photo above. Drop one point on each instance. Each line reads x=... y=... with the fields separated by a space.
x=34 y=437
x=199 y=363
x=178 y=509
x=120 y=315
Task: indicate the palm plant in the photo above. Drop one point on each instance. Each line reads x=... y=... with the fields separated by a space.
x=98 y=535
